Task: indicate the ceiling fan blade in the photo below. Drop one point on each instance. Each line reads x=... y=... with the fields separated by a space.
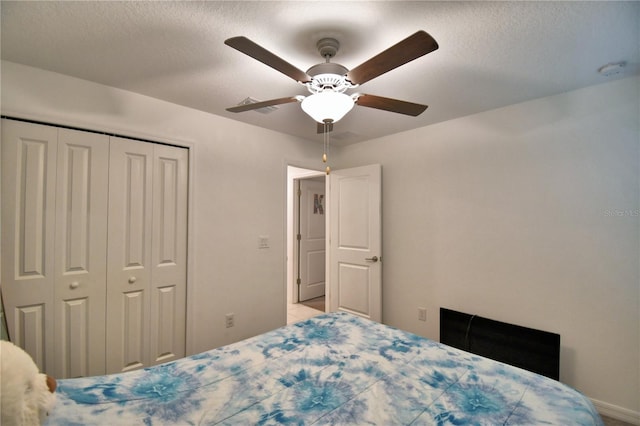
x=321 y=127
x=407 y=50
x=261 y=54
x=258 y=105
x=393 y=105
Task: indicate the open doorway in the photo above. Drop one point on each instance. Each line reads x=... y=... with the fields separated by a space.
x=305 y=243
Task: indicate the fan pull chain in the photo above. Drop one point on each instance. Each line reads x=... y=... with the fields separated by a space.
x=326 y=145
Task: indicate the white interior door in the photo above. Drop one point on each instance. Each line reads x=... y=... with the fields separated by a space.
x=81 y=253
x=312 y=225
x=29 y=154
x=355 y=241
x=129 y=254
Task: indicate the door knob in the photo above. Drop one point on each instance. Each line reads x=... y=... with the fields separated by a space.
x=373 y=259
x=74 y=285
x=132 y=280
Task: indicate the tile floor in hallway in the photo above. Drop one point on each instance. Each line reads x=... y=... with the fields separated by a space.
x=298 y=312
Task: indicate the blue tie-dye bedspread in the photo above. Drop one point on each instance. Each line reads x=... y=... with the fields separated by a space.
x=332 y=369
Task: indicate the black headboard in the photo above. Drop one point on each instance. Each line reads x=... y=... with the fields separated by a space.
x=527 y=348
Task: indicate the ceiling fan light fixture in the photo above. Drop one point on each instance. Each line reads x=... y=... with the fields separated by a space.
x=327 y=105
x=328 y=81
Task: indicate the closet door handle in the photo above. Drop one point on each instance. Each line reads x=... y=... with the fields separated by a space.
x=373 y=259
x=74 y=285
x=132 y=279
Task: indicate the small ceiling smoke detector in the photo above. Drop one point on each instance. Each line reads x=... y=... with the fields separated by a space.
x=611 y=69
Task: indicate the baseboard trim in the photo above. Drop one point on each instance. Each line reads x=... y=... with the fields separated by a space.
x=616 y=412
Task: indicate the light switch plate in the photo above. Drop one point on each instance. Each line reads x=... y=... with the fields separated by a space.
x=263 y=242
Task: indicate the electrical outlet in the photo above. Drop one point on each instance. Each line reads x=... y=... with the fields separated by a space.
x=229 y=320
x=422 y=314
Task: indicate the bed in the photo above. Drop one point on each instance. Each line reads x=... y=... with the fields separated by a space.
x=333 y=369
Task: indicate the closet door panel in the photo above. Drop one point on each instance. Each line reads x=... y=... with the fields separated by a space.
x=135 y=336
x=81 y=251
x=129 y=254
x=74 y=322
x=28 y=219
x=31 y=333
x=169 y=253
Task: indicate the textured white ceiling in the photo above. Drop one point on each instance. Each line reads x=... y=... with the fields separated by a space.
x=491 y=54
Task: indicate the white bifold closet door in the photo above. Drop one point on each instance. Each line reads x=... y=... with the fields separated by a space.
x=54 y=195
x=146 y=295
x=29 y=155
x=80 y=254
x=94 y=232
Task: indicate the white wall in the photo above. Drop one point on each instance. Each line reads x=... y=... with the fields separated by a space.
x=238 y=195
x=527 y=214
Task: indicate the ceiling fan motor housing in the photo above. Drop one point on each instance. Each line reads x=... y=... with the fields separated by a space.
x=328 y=75
x=327 y=68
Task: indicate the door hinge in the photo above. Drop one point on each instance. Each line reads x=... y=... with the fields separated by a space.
x=298 y=237
x=298 y=281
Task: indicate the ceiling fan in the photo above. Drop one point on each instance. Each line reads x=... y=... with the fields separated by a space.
x=328 y=81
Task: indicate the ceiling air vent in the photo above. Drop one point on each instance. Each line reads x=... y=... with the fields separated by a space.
x=263 y=110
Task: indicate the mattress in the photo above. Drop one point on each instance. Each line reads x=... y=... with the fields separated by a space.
x=336 y=369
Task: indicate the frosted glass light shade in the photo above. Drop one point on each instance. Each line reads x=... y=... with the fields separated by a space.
x=327 y=105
